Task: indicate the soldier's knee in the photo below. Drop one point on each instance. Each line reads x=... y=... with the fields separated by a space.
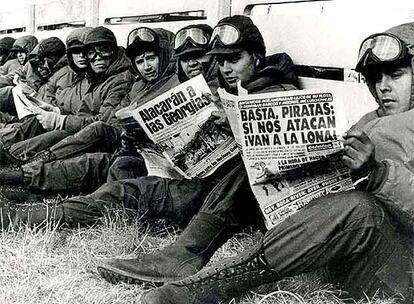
x=364 y=203
x=359 y=206
x=97 y=128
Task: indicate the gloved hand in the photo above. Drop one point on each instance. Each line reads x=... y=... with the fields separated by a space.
x=48 y=107
x=125 y=113
x=50 y=120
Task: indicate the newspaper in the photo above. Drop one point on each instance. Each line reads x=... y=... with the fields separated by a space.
x=180 y=123
x=291 y=147
x=25 y=103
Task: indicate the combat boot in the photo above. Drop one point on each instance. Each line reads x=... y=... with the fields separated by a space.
x=31 y=213
x=193 y=249
x=9 y=160
x=13 y=174
x=44 y=156
x=221 y=281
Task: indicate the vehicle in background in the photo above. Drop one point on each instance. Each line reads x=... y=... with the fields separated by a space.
x=57 y=18
x=322 y=36
x=169 y=14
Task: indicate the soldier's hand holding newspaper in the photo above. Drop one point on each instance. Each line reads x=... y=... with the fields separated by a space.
x=220 y=118
x=359 y=153
x=48 y=107
x=50 y=120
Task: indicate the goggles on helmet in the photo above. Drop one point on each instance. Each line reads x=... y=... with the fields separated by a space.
x=381 y=48
x=105 y=52
x=226 y=34
x=143 y=34
x=196 y=35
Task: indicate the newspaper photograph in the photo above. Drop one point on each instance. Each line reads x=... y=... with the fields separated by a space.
x=291 y=147
x=179 y=122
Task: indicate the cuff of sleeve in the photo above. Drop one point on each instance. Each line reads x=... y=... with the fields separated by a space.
x=61 y=122
x=378 y=176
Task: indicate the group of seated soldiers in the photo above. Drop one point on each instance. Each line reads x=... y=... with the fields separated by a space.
x=84 y=143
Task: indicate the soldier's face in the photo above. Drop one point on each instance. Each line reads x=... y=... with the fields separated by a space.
x=192 y=64
x=393 y=88
x=79 y=58
x=236 y=66
x=148 y=65
x=21 y=57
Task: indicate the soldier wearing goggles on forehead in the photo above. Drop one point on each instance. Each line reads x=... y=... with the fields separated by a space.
x=209 y=228
x=102 y=138
x=383 y=56
x=190 y=47
x=362 y=240
x=125 y=166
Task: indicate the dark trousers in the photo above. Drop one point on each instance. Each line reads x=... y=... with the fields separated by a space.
x=351 y=237
x=348 y=235
x=21 y=130
x=82 y=174
x=151 y=196
x=96 y=137
x=6 y=101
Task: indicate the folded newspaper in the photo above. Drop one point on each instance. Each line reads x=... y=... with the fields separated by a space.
x=24 y=101
x=291 y=146
x=180 y=123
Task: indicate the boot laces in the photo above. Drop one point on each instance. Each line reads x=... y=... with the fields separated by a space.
x=9 y=188
x=42 y=155
x=13 y=168
x=246 y=270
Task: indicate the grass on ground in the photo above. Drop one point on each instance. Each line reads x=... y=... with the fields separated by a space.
x=51 y=265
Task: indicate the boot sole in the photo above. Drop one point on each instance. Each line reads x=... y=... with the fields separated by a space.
x=116 y=276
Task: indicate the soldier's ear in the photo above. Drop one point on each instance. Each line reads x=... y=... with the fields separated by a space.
x=256 y=59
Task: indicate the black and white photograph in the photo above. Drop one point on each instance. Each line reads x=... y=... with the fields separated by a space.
x=206 y=151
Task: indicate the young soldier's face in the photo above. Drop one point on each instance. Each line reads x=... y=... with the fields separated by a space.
x=21 y=57
x=393 y=88
x=236 y=66
x=79 y=58
x=148 y=65
x=192 y=64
